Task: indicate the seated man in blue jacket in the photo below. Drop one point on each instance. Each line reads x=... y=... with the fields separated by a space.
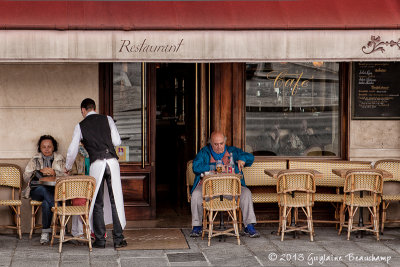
x=208 y=155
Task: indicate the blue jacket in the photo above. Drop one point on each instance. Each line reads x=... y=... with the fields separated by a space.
x=201 y=163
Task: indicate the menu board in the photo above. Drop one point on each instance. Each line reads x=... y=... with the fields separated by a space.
x=376 y=90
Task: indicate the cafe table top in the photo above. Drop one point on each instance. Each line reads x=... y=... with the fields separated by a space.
x=275 y=172
x=48 y=180
x=342 y=172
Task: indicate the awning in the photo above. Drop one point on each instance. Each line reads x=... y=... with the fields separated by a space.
x=199 y=31
x=200 y=15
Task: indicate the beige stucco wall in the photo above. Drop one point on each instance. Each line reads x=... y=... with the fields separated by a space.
x=37 y=99
x=374 y=139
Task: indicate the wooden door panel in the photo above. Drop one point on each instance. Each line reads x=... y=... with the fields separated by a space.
x=136 y=190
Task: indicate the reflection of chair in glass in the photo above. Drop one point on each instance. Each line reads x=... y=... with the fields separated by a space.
x=356 y=184
x=264 y=153
x=392 y=166
x=320 y=153
x=296 y=189
x=11 y=176
x=221 y=193
x=80 y=186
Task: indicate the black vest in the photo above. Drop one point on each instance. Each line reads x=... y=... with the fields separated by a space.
x=97 y=139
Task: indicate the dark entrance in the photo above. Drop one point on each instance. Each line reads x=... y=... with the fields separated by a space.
x=175 y=134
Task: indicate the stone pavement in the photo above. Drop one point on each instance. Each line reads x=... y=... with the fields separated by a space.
x=328 y=249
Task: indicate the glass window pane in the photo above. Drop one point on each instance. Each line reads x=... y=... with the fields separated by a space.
x=292 y=109
x=127 y=110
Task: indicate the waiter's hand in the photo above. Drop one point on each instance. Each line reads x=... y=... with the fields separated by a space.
x=240 y=164
x=67 y=172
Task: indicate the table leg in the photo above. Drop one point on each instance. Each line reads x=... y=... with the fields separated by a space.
x=221 y=223
x=292 y=219
x=361 y=218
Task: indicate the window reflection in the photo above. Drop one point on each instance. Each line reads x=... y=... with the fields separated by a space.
x=292 y=109
x=127 y=109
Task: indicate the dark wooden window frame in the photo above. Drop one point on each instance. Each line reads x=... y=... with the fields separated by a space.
x=344 y=114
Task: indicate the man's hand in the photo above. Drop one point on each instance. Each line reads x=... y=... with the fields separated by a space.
x=240 y=164
x=48 y=171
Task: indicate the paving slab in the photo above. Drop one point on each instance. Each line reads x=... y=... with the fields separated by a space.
x=328 y=249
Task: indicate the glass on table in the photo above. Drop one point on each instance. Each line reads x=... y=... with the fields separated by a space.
x=219 y=166
x=212 y=168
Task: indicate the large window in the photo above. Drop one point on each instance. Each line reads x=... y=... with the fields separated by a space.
x=127 y=110
x=292 y=109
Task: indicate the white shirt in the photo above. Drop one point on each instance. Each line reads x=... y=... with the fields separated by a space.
x=73 y=148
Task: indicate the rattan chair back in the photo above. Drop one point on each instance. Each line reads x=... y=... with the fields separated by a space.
x=302 y=183
x=80 y=186
x=221 y=185
x=389 y=165
x=10 y=175
x=364 y=180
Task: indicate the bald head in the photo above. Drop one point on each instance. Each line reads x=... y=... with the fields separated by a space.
x=218 y=142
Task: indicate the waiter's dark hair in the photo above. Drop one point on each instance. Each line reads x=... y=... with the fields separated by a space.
x=47 y=137
x=88 y=103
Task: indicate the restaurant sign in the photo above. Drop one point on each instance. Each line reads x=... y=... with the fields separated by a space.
x=199 y=46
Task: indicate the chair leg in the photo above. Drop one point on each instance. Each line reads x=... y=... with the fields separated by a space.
x=375 y=217
x=32 y=221
x=62 y=232
x=210 y=226
x=19 y=222
x=54 y=227
x=341 y=216
x=204 y=223
x=310 y=223
x=283 y=228
x=235 y=226
x=280 y=221
x=88 y=232
x=384 y=207
x=350 y=226
x=240 y=219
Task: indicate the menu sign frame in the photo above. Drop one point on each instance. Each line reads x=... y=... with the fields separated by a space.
x=376 y=91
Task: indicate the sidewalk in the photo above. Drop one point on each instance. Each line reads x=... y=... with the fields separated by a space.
x=328 y=249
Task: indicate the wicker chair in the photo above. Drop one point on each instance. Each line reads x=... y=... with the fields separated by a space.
x=362 y=181
x=221 y=193
x=329 y=180
x=80 y=186
x=35 y=206
x=11 y=176
x=296 y=189
x=392 y=166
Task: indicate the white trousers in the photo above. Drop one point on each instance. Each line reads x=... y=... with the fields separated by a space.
x=77 y=226
x=246 y=205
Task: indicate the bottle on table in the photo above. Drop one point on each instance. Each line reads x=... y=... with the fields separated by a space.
x=231 y=165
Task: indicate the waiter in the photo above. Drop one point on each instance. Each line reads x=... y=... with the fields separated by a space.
x=99 y=135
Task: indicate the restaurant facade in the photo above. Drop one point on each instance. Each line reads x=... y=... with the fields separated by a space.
x=283 y=79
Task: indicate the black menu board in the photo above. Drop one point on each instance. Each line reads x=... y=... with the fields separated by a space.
x=376 y=90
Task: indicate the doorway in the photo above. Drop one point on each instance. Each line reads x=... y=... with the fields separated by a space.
x=175 y=134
